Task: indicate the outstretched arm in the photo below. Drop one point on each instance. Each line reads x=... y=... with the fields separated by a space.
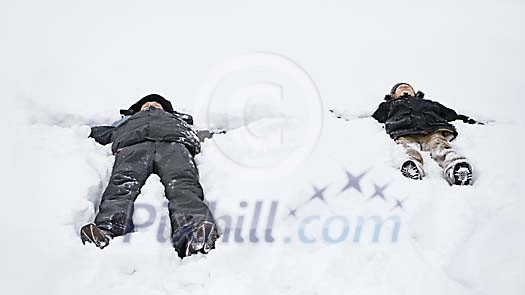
x=381 y=114
x=201 y=134
x=204 y=134
x=348 y=116
x=468 y=120
x=451 y=115
x=102 y=134
x=185 y=117
x=447 y=113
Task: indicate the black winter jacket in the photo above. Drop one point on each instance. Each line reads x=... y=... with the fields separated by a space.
x=413 y=115
x=151 y=124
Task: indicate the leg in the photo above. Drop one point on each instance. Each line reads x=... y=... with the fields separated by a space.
x=411 y=146
x=456 y=168
x=440 y=149
x=132 y=167
x=412 y=167
x=176 y=168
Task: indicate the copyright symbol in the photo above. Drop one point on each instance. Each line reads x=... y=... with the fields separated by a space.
x=272 y=109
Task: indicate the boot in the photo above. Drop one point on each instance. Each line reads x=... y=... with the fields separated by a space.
x=204 y=237
x=412 y=170
x=459 y=173
x=93 y=234
x=191 y=240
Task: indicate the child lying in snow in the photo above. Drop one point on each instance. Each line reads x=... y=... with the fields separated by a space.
x=421 y=124
x=154 y=138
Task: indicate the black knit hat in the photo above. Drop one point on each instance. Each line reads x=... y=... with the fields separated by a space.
x=389 y=96
x=166 y=104
x=397 y=85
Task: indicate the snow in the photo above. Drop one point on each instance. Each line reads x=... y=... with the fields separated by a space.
x=67 y=66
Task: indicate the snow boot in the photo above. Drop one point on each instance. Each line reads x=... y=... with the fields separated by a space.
x=412 y=170
x=459 y=173
x=93 y=234
x=204 y=237
x=192 y=239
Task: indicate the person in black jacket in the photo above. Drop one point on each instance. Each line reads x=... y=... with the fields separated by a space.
x=153 y=138
x=420 y=124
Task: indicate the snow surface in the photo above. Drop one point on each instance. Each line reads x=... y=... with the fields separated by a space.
x=69 y=65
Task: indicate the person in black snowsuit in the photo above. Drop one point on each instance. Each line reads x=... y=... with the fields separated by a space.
x=153 y=138
x=421 y=124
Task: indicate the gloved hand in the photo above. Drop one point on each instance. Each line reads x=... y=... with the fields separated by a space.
x=219 y=131
x=468 y=120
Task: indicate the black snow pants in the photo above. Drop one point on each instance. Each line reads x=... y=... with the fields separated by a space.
x=175 y=165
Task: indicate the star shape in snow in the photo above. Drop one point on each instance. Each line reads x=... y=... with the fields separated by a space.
x=378 y=192
x=353 y=181
x=399 y=204
x=318 y=193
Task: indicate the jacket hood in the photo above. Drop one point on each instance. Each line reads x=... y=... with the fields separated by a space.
x=166 y=104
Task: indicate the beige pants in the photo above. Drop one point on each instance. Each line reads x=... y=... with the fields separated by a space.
x=436 y=143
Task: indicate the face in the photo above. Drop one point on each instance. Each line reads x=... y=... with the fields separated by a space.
x=151 y=104
x=404 y=89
